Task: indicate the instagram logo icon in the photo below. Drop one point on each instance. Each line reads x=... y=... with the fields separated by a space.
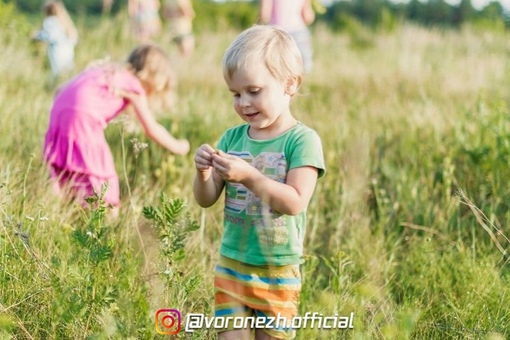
x=168 y=321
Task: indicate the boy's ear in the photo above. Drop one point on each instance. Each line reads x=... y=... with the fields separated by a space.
x=291 y=86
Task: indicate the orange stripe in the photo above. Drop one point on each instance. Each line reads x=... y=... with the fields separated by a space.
x=258 y=293
x=225 y=301
x=260 y=283
x=231 y=302
x=221 y=298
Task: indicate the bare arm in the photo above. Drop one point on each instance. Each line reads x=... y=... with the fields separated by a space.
x=66 y=21
x=307 y=13
x=289 y=198
x=266 y=7
x=151 y=127
x=207 y=185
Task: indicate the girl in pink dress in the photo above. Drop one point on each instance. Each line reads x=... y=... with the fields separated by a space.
x=75 y=147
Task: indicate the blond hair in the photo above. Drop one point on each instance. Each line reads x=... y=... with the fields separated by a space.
x=269 y=43
x=57 y=9
x=152 y=66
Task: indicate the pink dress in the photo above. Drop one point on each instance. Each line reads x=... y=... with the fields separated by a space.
x=75 y=146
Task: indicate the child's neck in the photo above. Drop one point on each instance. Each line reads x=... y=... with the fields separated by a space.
x=282 y=124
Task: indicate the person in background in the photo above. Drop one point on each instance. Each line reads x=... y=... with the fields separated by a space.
x=179 y=14
x=294 y=16
x=268 y=168
x=59 y=32
x=107 y=6
x=145 y=21
x=75 y=147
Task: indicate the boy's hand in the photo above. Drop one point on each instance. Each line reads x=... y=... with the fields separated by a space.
x=203 y=158
x=231 y=168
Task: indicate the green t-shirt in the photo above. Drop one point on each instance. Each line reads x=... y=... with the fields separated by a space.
x=253 y=232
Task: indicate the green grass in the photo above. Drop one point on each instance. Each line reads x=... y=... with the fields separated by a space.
x=407 y=230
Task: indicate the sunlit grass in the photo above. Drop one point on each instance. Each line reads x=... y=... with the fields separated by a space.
x=408 y=122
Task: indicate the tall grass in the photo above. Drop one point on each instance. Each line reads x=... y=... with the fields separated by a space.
x=407 y=230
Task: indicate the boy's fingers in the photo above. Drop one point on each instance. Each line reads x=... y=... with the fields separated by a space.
x=223 y=154
x=205 y=154
x=209 y=148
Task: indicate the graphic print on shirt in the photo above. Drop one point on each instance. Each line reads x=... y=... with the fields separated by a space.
x=270 y=225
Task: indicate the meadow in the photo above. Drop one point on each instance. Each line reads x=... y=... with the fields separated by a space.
x=408 y=229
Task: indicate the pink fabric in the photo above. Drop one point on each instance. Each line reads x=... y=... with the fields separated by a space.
x=75 y=141
x=287 y=15
x=80 y=186
x=146 y=6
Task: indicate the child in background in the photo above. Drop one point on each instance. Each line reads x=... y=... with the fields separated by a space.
x=145 y=21
x=107 y=6
x=268 y=167
x=179 y=14
x=59 y=32
x=294 y=16
x=75 y=147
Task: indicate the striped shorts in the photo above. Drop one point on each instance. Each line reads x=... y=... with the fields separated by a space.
x=267 y=293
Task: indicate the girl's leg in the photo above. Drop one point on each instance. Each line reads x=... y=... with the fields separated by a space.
x=92 y=185
x=113 y=214
x=187 y=45
x=80 y=186
x=107 y=6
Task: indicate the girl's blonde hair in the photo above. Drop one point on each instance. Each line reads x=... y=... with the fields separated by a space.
x=270 y=44
x=152 y=66
x=57 y=8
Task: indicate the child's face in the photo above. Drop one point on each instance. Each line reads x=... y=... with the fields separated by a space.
x=259 y=99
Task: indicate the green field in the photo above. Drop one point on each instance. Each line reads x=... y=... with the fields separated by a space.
x=408 y=229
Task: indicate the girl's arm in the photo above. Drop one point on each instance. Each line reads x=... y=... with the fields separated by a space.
x=289 y=198
x=50 y=32
x=151 y=127
x=207 y=185
x=67 y=23
x=307 y=13
x=266 y=6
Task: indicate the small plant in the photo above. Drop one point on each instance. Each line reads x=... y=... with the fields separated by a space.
x=88 y=292
x=94 y=238
x=172 y=226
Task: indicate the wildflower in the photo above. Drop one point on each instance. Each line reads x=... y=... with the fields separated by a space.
x=138 y=146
